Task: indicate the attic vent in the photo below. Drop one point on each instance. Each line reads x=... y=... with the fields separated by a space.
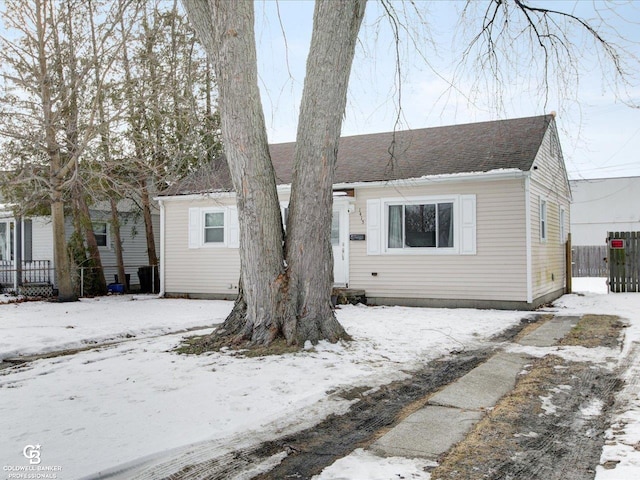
x=554 y=146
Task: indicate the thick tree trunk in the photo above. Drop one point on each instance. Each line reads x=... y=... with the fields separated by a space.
x=148 y=225
x=293 y=303
x=308 y=251
x=99 y=284
x=226 y=29
x=66 y=292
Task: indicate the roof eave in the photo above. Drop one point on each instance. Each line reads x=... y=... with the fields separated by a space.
x=446 y=178
x=493 y=175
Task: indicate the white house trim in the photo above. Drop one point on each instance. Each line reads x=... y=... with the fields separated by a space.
x=527 y=220
x=163 y=248
x=464 y=225
x=421 y=181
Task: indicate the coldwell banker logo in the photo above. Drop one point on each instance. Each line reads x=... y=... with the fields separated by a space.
x=34 y=470
x=32 y=452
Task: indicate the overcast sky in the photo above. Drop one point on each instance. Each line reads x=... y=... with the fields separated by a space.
x=600 y=134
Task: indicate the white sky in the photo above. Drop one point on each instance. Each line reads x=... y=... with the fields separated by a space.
x=600 y=135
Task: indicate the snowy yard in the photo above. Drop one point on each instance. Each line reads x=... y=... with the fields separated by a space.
x=134 y=401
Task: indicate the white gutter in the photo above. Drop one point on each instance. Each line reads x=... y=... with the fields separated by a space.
x=504 y=174
x=527 y=219
x=431 y=179
x=162 y=246
x=195 y=196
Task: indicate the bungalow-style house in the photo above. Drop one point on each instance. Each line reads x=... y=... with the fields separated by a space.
x=473 y=215
x=29 y=241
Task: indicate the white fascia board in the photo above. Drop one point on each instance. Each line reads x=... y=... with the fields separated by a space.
x=501 y=174
x=528 y=240
x=431 y=179
x=195 y=196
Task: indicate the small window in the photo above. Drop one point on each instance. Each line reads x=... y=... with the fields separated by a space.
x=543 y=220
x=428 y=225
x=214 y=227
x=100 y=232
x=562 y=232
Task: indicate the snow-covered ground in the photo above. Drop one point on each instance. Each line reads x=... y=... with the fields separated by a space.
x=110 y=406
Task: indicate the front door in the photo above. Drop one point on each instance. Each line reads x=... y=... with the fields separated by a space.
x=340 y=245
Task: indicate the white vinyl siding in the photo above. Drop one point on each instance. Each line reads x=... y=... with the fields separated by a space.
x=543 y=220
x=447 y=225
x=41 y=239
x=548 y=182
x=491 y=234
x=374 y=227
x=206 y=271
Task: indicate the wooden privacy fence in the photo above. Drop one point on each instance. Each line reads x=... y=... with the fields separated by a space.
x=624 y=261
x=589 y=261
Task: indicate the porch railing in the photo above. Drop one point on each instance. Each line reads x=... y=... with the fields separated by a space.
x=32 y=272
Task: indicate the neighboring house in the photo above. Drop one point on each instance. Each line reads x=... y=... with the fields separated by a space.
x=469 y=215
x=602 y=205
x=599 y=206
x=30 y=241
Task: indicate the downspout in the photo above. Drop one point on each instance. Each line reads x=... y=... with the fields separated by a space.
x=527 y=215
x=162 y=248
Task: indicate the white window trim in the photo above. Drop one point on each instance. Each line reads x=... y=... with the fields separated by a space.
x=563 y=233
x=386 y=202
x=464 y=228
x=196 y=227
x=107 y=233
x=431 y=200
x=225 y=222
x=543 y=219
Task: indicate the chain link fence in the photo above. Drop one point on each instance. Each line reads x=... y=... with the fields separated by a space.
x=38 y=279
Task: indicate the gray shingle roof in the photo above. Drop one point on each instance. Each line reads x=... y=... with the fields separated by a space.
x=467 y=148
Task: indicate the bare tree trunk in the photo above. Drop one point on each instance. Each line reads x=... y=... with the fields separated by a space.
x=148 y=226
x=226 y=29
x=99 y=285
x=66 y=292
x=106 y=151
x=293 y=303
x=139 y=151
x=308 y=251
x=60 y=255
